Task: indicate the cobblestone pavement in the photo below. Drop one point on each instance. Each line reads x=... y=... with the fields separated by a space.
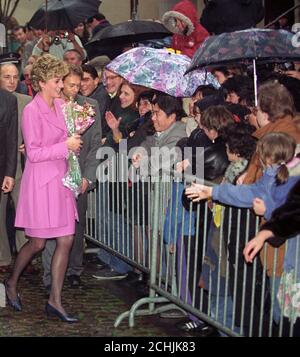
x=97 y=304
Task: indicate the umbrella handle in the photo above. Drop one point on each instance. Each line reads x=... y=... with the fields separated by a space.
x=46 y=16
x=255 y=82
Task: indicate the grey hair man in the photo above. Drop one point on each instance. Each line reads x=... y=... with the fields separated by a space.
x=9 y=79
x=8 y=155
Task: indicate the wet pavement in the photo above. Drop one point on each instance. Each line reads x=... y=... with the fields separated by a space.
x=96 y=303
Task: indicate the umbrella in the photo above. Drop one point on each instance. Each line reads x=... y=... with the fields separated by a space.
x=162 y=70
x=63 y=14
x=112 y=51
x=128 y=32
x=256 y=45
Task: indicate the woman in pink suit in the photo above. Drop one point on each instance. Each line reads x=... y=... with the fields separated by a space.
x=46 y=208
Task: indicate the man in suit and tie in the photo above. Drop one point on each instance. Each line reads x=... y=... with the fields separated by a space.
x=9 y=79
x=8 y=145
x=88 y=165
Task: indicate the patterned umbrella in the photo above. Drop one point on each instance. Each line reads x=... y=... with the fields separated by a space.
x=162 y=70
x=243 y=46
x=256 y=45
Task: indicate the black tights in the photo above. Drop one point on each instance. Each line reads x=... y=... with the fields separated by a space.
x=58 y=267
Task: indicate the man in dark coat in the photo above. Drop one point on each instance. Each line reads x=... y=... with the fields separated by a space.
x=106 y=95
x=221 y=16
x=8 y=140
x=9 y=79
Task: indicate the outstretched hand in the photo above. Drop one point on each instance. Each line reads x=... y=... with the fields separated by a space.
x=197 y=192
x=255 y=245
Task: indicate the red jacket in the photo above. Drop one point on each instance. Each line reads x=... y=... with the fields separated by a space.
x=196 y=34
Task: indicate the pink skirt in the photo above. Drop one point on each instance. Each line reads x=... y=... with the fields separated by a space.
x=67 y=230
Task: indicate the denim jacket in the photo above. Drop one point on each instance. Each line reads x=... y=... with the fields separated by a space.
x=266 y=189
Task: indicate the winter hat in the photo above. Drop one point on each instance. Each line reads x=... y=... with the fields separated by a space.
x=184 y=11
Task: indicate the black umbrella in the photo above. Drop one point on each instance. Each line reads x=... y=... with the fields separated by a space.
x=111 y=51
x=63 y=14
x=128 y=32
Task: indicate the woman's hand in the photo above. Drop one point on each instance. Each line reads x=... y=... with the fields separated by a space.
x=256 y=244
x=112 y=121
x=182 y=165
x=259 y=206
x=197 y=192
x=74 y=143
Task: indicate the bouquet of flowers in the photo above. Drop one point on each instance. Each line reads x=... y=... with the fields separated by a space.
x=78 y=119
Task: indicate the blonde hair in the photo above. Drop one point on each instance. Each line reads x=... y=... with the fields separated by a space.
x=47 y=67
x=277 y=148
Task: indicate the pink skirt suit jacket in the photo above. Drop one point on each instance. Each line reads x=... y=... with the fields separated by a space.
x=46 y=208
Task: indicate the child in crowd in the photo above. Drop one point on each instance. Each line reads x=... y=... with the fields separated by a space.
x=240 y=146
x=275 y=151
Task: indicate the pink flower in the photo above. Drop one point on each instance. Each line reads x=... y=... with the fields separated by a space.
x=78 y=117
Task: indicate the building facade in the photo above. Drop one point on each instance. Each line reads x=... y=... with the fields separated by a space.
x=120 y=10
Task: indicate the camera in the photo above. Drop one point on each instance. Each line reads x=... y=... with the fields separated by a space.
x=58 y=38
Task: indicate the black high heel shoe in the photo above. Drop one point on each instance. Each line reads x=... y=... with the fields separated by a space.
x=15 y=304
x=52 y=311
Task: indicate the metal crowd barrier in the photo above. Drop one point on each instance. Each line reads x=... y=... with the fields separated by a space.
x=193 y=256
x=119 y=220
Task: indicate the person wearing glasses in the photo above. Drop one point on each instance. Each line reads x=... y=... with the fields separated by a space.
x=105 y=93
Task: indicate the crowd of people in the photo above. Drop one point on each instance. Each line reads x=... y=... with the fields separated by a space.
x=250 y=150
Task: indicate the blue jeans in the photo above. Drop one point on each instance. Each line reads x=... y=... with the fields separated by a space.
x=276 y=306
x=116 y=237
x=228 y=315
